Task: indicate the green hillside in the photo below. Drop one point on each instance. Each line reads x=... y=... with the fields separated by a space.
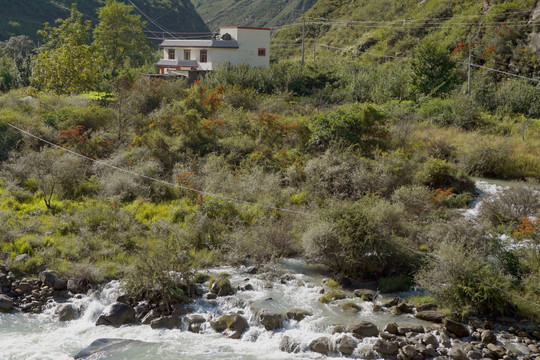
x=251 y=12
x=503 y=31
x=25 y=17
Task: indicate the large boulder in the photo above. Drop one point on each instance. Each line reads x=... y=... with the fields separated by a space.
x=426 y=307
x=488 y=337
x=409 y=352
x=221 y=286
x=233 y=325
x=52 y=280
x=387 y=348
x=298 y=315
x=346 y=345
x=195 y=323
x=404 y=328
x=66 y=312
x=271 y=321
x=365 y=294
x=102 y=348
x=289 y=345
x=363 y=329
x=457 y=353
x=456 y=328
x=430 y=315
x=166 y=322
x=116 y=315
x=321 y=345
x=6 y=303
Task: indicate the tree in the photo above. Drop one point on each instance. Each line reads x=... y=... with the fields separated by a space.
x=66 y=63
x=433 y=70
x=119 y=37
x=15 y=60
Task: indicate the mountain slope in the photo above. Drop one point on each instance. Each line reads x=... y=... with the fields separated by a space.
x=25 y=17
x=499 y=31
x=251 y=12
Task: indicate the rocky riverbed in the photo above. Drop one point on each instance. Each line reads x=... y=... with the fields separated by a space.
x=247 y=314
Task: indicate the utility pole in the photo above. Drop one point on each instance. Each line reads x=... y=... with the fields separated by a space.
x=314 y=51
x=303 y=39
x=469 y=72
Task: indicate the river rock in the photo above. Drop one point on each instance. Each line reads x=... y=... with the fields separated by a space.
x=363 y=329
x=426 y=307
x=24 y=287
x=430 y=339
x=51 y=279
x=457 y=353
x=6 y=303
x=151 y=315
x=474 y=354
x=391 y=328
x=222 y=286
x=321 y=345
x=346 y=345
x=365 y=294
x=298 y=315
x=66 y=312
x=456 y=328
x=349 y=307
x=430 y=315
x=405 y=328
x=289 y=345
x=405 y=308
x=233 y=325
x=116 y=315
x=4 y=281
x=409 y=352
x=488 y=337
x=166 y=322
x=388 y=348
x=102 y=348
x=393 y=302
x=195 y=323
x=498 y=351
x=270 y=321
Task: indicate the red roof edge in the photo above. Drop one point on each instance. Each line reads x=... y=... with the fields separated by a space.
x=244 y=28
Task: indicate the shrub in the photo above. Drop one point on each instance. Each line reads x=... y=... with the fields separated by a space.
x=438 y=174
x=458 y=111
x=415 y=199
x=511 y=205
x=395 y=283
x=519 y=97
x=487 y=159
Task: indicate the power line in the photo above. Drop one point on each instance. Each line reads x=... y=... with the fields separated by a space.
x=505 y=73
x=151 y=20
x=205 y=193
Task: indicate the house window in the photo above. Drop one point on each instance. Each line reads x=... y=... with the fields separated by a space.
x=171 y=54
x=204 y=56
x=187 y=54
x=262 y=52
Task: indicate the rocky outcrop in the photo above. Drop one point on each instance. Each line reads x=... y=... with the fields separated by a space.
x=456 y=328
x=363 y=329
x=51 y=279
x=233 y=325
x=116 y=315
x=270 y=321
x=365 y=294
x=6 y=303
x=321 y=345
x=66 y=312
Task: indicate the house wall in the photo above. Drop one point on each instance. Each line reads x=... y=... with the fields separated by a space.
x=249 y=41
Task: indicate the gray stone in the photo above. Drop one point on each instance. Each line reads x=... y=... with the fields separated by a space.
x=409 y=327
x=221 y=286
x=298 y=315
x=392 y=302
x=405 y=308
x=116 y=315
x=365 y=294
x=66 y=312
x=474 y=354
x=4 y=281
x=51 y=279
x=151 y=315
x=166 y=322
x=363 y=329
x=430 y=339
x=426 y=307
x=430 y=315
x=321 y=345
x=289 y=345
x=233 y=325
x=346 y=345
x=394 y=310
x=488 y=337
x=391 y=328
x=498 y=351
x=6 y=303
x=456 y=328
x=457 y=353
x=386 y=347
x=409 y=352
x=271 y=321
x=21 y=258
x=102 y=348
x=195 y=323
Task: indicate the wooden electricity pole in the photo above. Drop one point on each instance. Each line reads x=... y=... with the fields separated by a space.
x=303 y=39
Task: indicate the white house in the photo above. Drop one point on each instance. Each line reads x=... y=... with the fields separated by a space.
x=234 y=44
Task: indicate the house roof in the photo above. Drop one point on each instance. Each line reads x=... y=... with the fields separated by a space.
x=229 y=44
x=165 y=62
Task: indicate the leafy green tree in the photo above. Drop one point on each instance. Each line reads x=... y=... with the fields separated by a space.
x=15 y=60
x=433 y=70
x=119 y=37
x=66 y=63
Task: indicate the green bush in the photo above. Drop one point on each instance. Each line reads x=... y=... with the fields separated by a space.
x=511 y=205
x=519 y=97
x=395 y=283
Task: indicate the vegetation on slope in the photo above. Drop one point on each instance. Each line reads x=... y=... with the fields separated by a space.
x=249 y=12
x=26 y=17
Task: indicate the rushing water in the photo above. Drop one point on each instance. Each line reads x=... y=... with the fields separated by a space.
x=29 y=336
